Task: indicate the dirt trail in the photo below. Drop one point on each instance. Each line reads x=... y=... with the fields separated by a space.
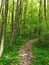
x=26 y=53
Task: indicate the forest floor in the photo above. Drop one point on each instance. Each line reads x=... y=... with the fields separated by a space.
x=26 y=53
x=31 y=52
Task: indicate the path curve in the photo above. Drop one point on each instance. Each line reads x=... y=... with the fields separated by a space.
x=26 y=53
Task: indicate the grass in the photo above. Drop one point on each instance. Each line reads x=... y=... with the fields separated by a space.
x=41 y=53
x=11 y=55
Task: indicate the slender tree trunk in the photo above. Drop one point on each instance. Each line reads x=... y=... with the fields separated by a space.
x=1 y=5
x=2 y=15
x=12 y=16
x=48 y=14
x=40 y=19
x=25 y=11
x=14 y=24
x=45 y=9
x=4 y=27
x=12 y=31
x=45 y=22
x=2 y=41
x=20 y=14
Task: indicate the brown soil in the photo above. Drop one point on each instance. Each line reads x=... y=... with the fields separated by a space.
x=26 y=53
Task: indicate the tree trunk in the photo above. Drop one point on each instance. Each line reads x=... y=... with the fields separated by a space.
x=45 y=9
x=2 y=40
x=40 y=19
x=14 y=24
x=12 y=30
x=4 y=27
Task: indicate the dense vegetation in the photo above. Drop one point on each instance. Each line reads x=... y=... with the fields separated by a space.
x=20 y=21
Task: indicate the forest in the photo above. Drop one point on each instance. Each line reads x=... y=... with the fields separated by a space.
x=24 y=32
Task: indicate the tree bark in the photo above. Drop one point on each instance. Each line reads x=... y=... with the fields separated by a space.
x=4 y=27
x=14 y=24
x=40 y=19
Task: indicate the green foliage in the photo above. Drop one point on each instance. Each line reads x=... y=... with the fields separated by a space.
x=29 y=25
x=41 y=54
x=11 y=55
